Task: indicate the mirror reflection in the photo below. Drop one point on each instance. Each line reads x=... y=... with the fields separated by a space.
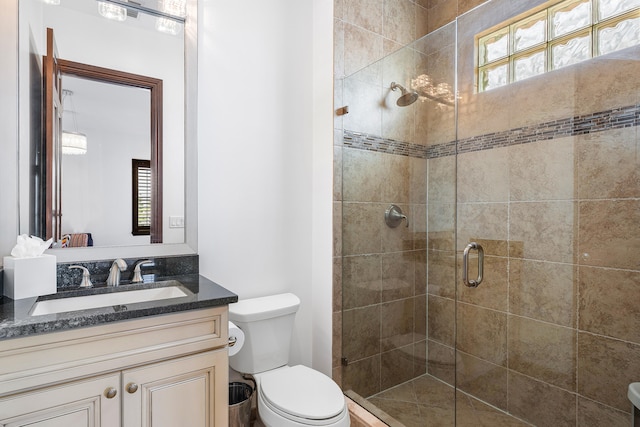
x=96 y=193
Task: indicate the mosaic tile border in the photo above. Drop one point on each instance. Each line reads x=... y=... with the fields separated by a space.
x=615 y=118
x=364 y=141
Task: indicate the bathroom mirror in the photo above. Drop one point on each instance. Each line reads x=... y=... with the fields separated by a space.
x=132 y=46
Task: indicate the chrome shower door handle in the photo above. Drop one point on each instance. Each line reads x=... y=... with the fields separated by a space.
x=465 y=265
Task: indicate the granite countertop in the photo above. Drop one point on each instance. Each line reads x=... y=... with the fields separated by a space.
x=16 y=321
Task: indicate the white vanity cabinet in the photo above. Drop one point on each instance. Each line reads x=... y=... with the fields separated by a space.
x=168 y=370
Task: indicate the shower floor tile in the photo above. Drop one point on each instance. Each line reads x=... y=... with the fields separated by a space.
x=428 y=402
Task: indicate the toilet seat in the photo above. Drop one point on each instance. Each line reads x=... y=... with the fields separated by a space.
x=302 y=395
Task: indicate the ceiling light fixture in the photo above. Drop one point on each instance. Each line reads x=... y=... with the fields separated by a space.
x=171 y=8
x=112 y=11
x=73 y=142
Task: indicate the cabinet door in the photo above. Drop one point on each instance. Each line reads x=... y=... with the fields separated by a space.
x=189 y=391
x=77 y=404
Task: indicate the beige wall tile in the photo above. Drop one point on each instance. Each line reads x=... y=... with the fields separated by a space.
x=399 y=21
x=397 y=325
x=482 y=113
x=362 y=376
x=361 y=280
x=482 y=379
x=543 y=351
x=606 y=367
x=608 y=167
x=442 y=273
x=421 y=273
x=466 y=5
x=419 y=358
x=441 y=320
x=337 y=283
x=366 y=14
x=338 y=50
x=363 y=99
x=441 y=13
x=441 y=226
x=398 y=275
x=420 y=319
x=338 y=9
x=361 y=332
x=361 y=48
x=337 y=167
x=544 y=291
x=484 y=223
x=609 y=302
x=547 y=99
x=418 y=181
x=608 y=82
x=363 y=175
x=540 y=403
x=436 y=123
x=418 y=225
x=609 y=233
x=361 y=228
x=397 y=179
x=546 y=230
x=542 y=170
x=442 y=180
x=483 y=176
x=338 y=120
x=396 y=366
x=422 y=21
x=441 y=362
x=592 y=413
x=337 y=228
x=482 y=333
x=337 y=339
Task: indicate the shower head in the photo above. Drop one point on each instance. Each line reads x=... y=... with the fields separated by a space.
x=406 y=97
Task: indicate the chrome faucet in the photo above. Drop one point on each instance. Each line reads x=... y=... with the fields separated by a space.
x=114 y=272
x=137 y=275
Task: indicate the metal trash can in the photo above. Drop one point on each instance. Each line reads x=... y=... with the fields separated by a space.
x=240 y=404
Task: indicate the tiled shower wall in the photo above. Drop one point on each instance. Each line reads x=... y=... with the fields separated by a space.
x=548 y=181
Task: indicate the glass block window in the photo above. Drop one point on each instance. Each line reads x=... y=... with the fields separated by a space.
x=563 y=34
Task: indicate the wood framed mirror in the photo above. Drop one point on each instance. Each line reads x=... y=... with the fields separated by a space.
x=55 y=69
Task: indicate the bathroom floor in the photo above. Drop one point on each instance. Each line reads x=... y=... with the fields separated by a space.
x=428 y=402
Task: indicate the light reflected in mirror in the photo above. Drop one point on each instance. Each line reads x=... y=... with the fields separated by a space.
x=96 y=187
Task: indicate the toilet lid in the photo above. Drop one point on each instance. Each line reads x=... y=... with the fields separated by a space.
x=302 y=392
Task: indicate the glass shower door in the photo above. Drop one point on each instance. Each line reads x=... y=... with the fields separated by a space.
x=398 y=276
x=548 y=183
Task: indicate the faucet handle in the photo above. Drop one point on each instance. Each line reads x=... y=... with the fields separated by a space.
x=86 y=279
x=137 y=275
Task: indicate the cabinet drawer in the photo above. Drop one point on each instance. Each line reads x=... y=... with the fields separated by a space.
x=49 y=358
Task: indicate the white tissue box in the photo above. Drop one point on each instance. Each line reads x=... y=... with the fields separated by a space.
x=29 y=277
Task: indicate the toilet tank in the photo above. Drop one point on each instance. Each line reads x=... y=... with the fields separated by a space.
x=267 y=323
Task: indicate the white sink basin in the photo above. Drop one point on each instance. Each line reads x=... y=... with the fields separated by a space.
x=86 y=302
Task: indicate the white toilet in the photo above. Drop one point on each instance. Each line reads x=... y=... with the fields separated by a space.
x=288 y=396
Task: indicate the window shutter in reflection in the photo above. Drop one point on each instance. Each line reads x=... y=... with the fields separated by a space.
x=141 y=197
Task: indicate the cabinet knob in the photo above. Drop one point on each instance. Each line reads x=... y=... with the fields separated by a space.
x=110 y=393
x=132 y=387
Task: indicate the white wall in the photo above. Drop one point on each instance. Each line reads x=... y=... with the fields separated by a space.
x=8 y=126
x=265 y=144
